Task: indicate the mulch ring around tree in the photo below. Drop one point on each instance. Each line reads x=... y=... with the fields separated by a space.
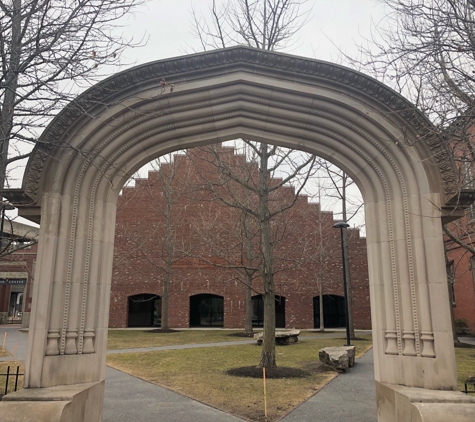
x=310 y=368
x=159 y=330
x=241 y=334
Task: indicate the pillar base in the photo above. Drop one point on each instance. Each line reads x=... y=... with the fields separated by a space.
x=397 y=403
x=64 y=403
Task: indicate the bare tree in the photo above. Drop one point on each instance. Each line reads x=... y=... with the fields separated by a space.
x=336 y=186
x=267 y=197
x=165 y=192
x=263 y=24
x=230 y=238
x=266 y=25
x=316 y=248
x=49 y=50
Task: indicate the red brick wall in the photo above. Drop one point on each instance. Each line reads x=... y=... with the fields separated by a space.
x=464 y=285
x=139 y=246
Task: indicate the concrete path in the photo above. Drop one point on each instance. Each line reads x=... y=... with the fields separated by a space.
x=131 y=399
x=14 y=336
x=349 y=397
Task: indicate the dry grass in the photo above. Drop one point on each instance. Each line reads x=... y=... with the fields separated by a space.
x=126 y=339
x=465 y=365
x=200 y=374
x=13 y=364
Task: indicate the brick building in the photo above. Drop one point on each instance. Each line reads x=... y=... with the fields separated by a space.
x=461 y=268
x=16 y=274
x=207 y=288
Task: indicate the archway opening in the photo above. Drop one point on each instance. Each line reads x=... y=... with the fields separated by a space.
x=145 y=310
x=258 y=311
x=333 y=311
x=206 y=310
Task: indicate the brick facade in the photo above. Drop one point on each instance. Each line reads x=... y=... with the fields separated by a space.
x=203 y=230
x=462 y=265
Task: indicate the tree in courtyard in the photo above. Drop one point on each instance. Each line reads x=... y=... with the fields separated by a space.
x=267 y=25
x=165 y=244
x=316 y=249
x=264 y=198
x=230 y=238
x=337 y=185
x=49 y=50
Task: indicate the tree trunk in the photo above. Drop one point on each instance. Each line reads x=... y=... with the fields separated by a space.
x=450 y=283
x=169 y=258
x=248 y=323
x=249 y=258
x=268 y=343
x=10 y=86
x=320 y=301
x=349 y=290
x=165 y=299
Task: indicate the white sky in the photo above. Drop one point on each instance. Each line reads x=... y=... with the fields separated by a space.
x=333 y=26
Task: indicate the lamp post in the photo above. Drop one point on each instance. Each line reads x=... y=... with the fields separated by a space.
x=343 y=225
x=5 y=207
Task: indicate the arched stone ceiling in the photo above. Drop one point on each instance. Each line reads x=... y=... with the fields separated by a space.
x=109 y=131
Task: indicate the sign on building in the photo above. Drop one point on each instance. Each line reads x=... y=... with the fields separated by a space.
x=12 y=280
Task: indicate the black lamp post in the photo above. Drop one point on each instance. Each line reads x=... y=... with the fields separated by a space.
x=343 y=225
x=5 y=207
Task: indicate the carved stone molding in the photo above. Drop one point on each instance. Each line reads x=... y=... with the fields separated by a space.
x=221 y=61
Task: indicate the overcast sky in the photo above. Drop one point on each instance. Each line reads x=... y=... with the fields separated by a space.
x=333 y=25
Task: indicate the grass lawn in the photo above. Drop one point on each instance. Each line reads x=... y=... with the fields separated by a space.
x=126 y=339
x=465 y=366
x=200 y=374
x=11 y=382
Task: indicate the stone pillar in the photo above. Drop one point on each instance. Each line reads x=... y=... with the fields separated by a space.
x=68 y=330
x=412 y=330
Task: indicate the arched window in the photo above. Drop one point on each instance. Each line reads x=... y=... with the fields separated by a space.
x=206 y=310
x=145 y=310
x=258 y=311
x=333 y=311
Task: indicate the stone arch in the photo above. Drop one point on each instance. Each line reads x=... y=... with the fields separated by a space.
x=403 y=169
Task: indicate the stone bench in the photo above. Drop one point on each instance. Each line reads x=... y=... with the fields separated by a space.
x=339 y=358
x=281 y=337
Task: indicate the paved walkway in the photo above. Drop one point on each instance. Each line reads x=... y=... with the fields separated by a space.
x=131 y=399
x=348 y=397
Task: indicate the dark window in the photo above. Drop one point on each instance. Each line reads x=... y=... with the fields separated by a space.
x=258 y=311
x=145 y=310
x=333 y=311
x=206 y=310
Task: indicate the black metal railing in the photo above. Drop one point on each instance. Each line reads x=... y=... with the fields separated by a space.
x=466 y=388
x=10 y=378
